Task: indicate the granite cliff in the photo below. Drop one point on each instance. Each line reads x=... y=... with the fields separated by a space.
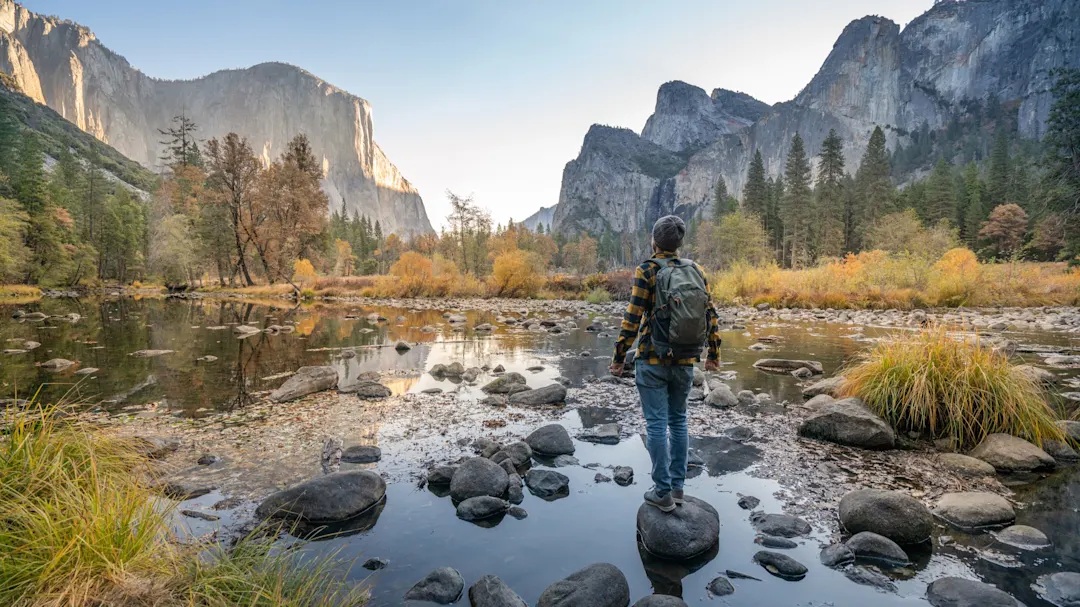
x=876 y=75
x=63 y=65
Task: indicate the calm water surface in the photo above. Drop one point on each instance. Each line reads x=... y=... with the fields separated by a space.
x=417 y=530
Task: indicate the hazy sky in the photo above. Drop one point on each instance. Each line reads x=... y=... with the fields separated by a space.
x=491 y=97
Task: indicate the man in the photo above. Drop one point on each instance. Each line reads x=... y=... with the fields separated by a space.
x=672 y=312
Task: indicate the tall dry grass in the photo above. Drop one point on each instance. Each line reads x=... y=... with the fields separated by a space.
x=876 y=279
x=946 y=385
x=81 y=526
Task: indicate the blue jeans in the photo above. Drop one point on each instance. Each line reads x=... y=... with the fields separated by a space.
x=663 y=390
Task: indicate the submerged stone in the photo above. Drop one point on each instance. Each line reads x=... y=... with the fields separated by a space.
x=306 y=380
x=781 y=565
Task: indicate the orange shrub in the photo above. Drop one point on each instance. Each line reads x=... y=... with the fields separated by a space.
x=515 y=274
x=304 y=274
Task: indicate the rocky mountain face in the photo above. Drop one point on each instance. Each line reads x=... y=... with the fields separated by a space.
x=876 y=75
x=544 y=216
x=62 y=65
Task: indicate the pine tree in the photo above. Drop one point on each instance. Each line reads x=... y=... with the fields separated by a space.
x=756 y=192
x=181 y=147
x=1062 y=160
x=874 y=184
x=776 y=203
x=720 y=199
x=829 y=198
x=796 y=212
x=998 y=179
x=31 y=187
x=976 y=212
x=539 y=228
x=940 y=194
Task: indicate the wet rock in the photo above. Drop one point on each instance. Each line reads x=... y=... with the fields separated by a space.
x=1059 y=450
x=209 y=358
x=499 y=369
x=457 y=318
x=598 y=585
x=771 y=541
x=694 y=459
x=660 y=600
x=781 y=365
x=198 y=514
x=56 y=364
x=748 y=502
x=375 y=564
x=1035 y=374
x=974 y=510
x=780 y=525
x=402 y=346
x=696 y=395
x=361 y=454
x=518 y=513
x=848 y=422
x=721 y=397
x=514 y=489
x=745 y=397
x=334 y=497
x=227 y=504
x=443 y=586
x=370 y=390
x=508 y=383
x=208 y=460
x=478 y=476
x=1022 y=536
x=428 y=329
x=763 y=399
x=958 y=592
x=868 y=577
x=347 y=354
x=470 y=374
x=895 y=515
x=824 y=387
x=602 y=478
x=623 y=475
x=481 y=507
x=504 y=462
x=552 y=440
x=490 y=591
x=1071 y=429
x=780 y=565
x=547 y=483
x=836 y=555
x=306 y=380
x=606 y=434
x=721 y=586
x=965 y=465
x=869 y=545
x=802 y=373
x=1007 y=453
x=245 y=330
x=483 y=328
x=1062 y=360
x=495 y=400
x=1061 y=589
x=441 y=475
x=563 y=461
x=520 y=453
x=689 y=531
x=548 y=395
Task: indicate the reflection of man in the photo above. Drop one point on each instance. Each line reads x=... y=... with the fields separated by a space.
x=672 y=314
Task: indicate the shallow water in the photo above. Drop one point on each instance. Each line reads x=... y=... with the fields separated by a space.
x=418 y=531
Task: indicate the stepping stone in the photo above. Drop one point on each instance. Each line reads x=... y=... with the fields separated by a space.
x=690 y=530
x=780 y=525
x=895 y=515
x=1023 y=537
x=869 y=545
x=442 y=586
x=547 y=484
x=959 y=592
x=1007 y=453
x=331 y=498
x=974 y=510
x=781 y=565
x=598 y=585
x=361 y=454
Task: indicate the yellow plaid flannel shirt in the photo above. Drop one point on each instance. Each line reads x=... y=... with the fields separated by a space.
x=636 y=319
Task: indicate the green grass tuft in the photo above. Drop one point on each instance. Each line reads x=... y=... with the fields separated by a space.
x=598 y=296
x=944 y=386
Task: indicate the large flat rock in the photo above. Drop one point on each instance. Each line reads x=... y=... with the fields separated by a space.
x=598 y=585
x=895 y=515
x=306 y=380
x=848 y=422
x=784 y=365
x=959 y=592
x=975 y=510
x=332 y=498
x=1007 y=453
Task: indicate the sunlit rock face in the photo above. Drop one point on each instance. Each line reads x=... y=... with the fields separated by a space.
x=876 y=75
x=63 y=65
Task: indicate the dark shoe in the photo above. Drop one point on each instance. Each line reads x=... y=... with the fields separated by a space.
x=677 y=495
x=664 y=504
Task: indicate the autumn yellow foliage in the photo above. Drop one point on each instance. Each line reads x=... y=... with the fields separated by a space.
x=304 y=274
x=515 y=274
x=877 y=279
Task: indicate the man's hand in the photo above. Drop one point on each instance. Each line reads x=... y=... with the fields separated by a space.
x=712 y=365
x=616 y=369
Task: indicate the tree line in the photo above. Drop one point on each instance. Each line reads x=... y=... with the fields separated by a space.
x=1018 y=200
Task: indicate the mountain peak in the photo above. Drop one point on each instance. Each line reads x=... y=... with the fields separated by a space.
x=687 y=118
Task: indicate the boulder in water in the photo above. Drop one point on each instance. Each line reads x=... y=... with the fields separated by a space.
x=547 y=484
x=895 y=515
x=689 y=531
x=552 y=440
x=1008 y=453
x=975 y=510
x=548 y=395
x=960 y=592
x=848 y=422
x=442 y=586
x=306 y=380
x=481 y=507
x=783 y=365
x=478 y=476
x=598 y=585
x=490 y=591
x=331 y=498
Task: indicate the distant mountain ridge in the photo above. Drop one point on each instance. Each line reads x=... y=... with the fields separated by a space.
x=544 y=216
x=876 y=75
x=62 y=64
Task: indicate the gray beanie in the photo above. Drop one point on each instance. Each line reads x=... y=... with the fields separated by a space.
x=668 y=232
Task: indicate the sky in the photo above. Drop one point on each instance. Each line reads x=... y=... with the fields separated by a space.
x=490 y=97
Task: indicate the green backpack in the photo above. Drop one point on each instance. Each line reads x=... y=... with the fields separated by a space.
x=678 y=325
